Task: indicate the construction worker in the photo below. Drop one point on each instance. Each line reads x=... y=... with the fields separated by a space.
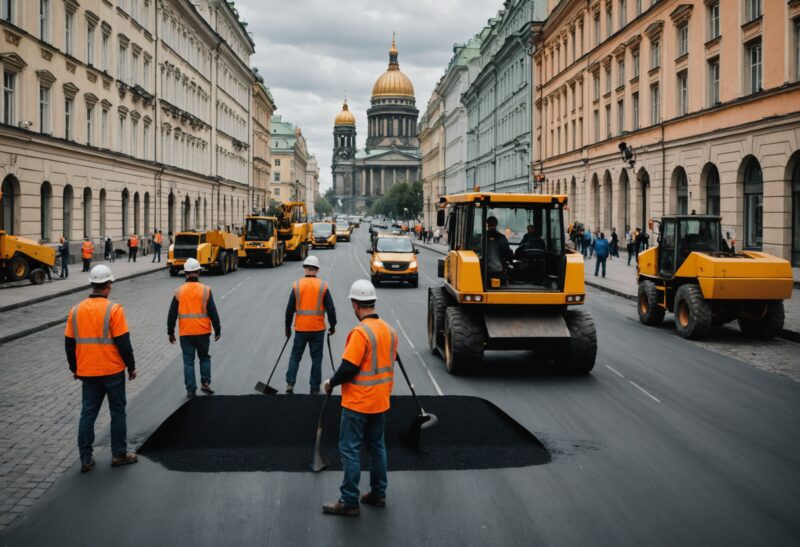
x=98 y=352
x=194 y=309
x=87 y=250
x=133 y=247
x=366 y=375
x=309 y=301
x=158 y=239
x=63 y=251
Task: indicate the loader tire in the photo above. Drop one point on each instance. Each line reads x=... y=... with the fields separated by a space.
x=18 y=268
x=650 y=313
x=692 y=312
x=463 y=341
x=768 y=326
x=222 y=269
x=581 y=350
x=438 y=300
x=37 y=276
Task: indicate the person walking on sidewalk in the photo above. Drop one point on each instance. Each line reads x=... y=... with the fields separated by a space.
x=586 y=242
x=99 y=350
x=601 y=251
x=366 y=375
x=194 y=309
x=63 y=251
x=87 y=251
x=614 y=244
x=133 y=247
x=158 y=239
x=108 y=249
x=309 y=301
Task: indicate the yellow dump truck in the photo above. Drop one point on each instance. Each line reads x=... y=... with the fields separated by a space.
x=216 y=251
x=22 y=258
x=294 y=229
x=694 y=273
x=259 y=242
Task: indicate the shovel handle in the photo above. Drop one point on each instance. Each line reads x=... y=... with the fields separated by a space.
x=410 y=385
x=330 y=353
x=278 y=360
x=322 y=412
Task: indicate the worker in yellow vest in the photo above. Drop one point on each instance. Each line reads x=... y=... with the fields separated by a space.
x=366 y=375
x=133 y=247
x=309 y=301
x=99 y=350
x=87 y=251
x=195 y=312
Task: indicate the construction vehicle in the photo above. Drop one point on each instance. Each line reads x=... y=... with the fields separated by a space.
x=505 y=289
x=695 y=273
x=259 y=242
x=22 y=258
x=216 y=250
x=393 y=258
x=324 y=235
x=294 y=229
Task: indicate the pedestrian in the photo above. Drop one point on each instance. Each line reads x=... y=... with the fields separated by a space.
x=366 y=375
x=133 y=247
x=63 y=251
x=587 y=240
x=592 y=239
x=437 y=235
x=157 y=239
x=309 y=301
x=637 y=244
x=108 y=249
x=98 y=347
x=87 y=251
x=601 y=250
x=614 y=243
x=629 y=243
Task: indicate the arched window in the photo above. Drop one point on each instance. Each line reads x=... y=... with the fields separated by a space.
x=67 y=200
x=795 y=186
x=87 y=212
x=625 y=188
x=573 y=198
x=753 y=203
x=147 y=227
x=680 y=187
x=644 y=194
x=103 y=232
x=9 y=212
x=609 y=193
x=712 y=190
x=595 y=203
x=136 y=213
x=125 y=208
x=205 y=214
x=171 y=213
x=45 y=210
x=187 y=211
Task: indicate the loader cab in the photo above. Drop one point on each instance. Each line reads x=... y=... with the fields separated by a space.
x=682 y=235
x=258 y=229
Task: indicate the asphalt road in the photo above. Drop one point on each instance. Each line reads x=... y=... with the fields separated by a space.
x=665 y=443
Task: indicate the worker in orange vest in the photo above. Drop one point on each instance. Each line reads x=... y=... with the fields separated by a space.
x=158 y=239
x=366 y=375
x=87 y=251
x=99 y=350
x=133 y=247
x=194 y=309
x=309 y=301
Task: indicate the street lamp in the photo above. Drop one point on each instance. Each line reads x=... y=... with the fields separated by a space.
x=628 y=154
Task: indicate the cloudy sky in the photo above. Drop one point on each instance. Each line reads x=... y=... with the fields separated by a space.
x=311 y=51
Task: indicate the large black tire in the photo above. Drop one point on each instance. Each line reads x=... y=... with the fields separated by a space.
x=303 y=251
x=173 y=272
x=692 y=312
x=18 y=268
x=650 y=313
x=37 y=276
x=581 y=351
x=463 y=340
x=768 y=326
x=222 y=269
x=438 y=300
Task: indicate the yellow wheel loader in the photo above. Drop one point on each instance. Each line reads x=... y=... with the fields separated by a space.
x=510 y=283
x=259 y=242
x=215 y=250
x=22 y=258
x=695 y=273
x=294 y=229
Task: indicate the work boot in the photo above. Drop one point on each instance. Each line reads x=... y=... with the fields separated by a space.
x=290 y=388
x=314 y=392
x=371 y=499
x=87 y=466
x=191 y=394
x=339 y=508
x=206 y=388
x=125 y=459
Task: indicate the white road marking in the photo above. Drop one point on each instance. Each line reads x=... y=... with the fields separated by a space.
x=433 y=380
x=614 y=371
x=360 y=265
x=410 y=343
x=640 y=388
x=233 y=289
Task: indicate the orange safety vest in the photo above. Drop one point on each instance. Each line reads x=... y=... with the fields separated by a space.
x=309 y=293
x=94 y=323
x=193 y=316
x=159 y=238
x=368 y=392
x=87 y=249
x=134 y=242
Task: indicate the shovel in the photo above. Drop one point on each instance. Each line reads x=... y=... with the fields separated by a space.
x=266 y=389
x=424 y=421
x=319 y=463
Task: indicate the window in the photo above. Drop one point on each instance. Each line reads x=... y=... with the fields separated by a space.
x=713 y=21
x=90 y=45
x=7 y=10
x=635 y=59
x=44 y=20
x=89 y=124
x=596 y=125
x=754 y=67
x=635 y=111
x=134 y=131
x=69 y=32
x=637 y=7
x=683 y=39
x=146 y=75
x=597 y=29
x=277 y=163
x=104 y=52
x=121 y=62
x=752 y=9
x=121 y=134
x=713 y=82
x=655 y=54
x=608 y=121
x=753 y=204
x=655 y=104
x=609 y=22
x=621 y=73
x=104 y=127
x=623 y=13
x=596 y=86
x=277 y=191
x=44 y=109
x=134 y=69
x=9 y=97
x=683 y=93
x=608 y=80
x=712 y=191
x=620 y=117
x=68 y=115
x=146 y=141
x=276 y=177
x=797 y=49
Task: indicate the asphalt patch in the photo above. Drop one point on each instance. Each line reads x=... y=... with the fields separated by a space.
x=277 y=433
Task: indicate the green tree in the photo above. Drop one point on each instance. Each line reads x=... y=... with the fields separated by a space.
x=323 y=206
x=401 y=196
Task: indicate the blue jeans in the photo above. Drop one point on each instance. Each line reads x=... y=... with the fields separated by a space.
x=157 y=253
x=597 y=262
x=191 y=345
x=357 y=428
x=92 y=394
x=315 y=341
x=64 y=266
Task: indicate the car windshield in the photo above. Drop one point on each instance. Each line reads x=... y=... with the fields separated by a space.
x=342 y=226
x=539 y=221
x=322 y=228
x=258 y=229
x=394 y=245
x=186 y=240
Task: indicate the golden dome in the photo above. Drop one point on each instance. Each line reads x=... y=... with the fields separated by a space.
x=393 y=83
x=345 y=117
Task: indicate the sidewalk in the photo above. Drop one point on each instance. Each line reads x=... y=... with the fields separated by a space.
x=621 y=280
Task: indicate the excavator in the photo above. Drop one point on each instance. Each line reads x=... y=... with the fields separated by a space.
x=22 y=258
x=294 y=229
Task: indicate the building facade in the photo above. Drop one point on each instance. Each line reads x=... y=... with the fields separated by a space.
x=289 y=161
x=706 y=92
x=312 y=184
x=111 y=118
x=431 y=143
x=498 y=100
x=263 y=108
x=392 y=151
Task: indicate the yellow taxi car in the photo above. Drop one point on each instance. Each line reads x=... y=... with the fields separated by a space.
x=343 y=230
x=393 y=258
x=324 y=235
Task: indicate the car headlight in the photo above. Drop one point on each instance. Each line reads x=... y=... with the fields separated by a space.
x=378 y=263
x=413 y=264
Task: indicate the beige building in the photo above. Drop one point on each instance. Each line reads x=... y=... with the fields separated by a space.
x=289 y=161
x=706 y=93
x=263 y=108
x=312 y=184
x=431 y=144
x=119 y=118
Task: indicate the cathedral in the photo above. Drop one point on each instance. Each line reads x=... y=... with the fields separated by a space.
x=392 y=151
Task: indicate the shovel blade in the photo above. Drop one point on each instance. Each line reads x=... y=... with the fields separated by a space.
x=431 y=421
x=319 y=463
x=411 y=437
x=261 y=387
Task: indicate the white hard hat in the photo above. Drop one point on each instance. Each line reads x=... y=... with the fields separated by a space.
x=191 y=265
x=311 y=262
x=100 y=274
x=363 y=291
